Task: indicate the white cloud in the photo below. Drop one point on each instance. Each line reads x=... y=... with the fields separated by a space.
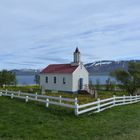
x=34 y=30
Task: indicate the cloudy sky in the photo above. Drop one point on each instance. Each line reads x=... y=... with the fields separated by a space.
x=35 y=33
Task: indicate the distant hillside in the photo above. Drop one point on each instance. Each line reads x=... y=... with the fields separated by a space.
x=105 y=67
x=25 y=71
x=97 y=67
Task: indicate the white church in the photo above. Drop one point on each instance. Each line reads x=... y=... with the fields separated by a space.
x=70 y=77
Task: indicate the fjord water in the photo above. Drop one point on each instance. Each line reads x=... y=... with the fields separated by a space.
x=30 y=79
x=25 y=79
x=102 y=79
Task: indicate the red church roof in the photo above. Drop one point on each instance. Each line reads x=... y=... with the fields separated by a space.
x=59 y=68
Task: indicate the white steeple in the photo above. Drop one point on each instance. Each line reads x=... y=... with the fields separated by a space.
x=76 y=57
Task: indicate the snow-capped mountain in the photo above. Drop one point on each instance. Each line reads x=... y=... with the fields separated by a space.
x=107 y=66
x=97 y=67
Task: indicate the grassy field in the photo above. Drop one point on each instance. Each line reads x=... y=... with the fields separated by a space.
x=32 y=121
x=30 y=89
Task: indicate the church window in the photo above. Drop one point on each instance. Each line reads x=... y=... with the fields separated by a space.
x=64 y=80
x=46 y=79
x=54 y=80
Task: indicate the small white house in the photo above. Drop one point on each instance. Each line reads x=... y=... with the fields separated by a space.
x=70 y=77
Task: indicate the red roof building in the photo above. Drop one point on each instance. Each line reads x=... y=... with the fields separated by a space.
x=70 y=77
x=59 y=68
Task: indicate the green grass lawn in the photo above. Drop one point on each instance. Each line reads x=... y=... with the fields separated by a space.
x=82 y=98
x=32 y=121
x=30 y=89
x=86 y=98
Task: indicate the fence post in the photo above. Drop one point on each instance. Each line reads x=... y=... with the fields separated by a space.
x=123 y=99
x=6 y=92
x=60 y=99
x=114 y=101
x=0 y=93
x=12 y=96
x=76 y=107
x=47 y=102
x=98 y=108
x=27 y=98
x=130 y=98
x=36 y=95
x=136 y=98
x=19 y=93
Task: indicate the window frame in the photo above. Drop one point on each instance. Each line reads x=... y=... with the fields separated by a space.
x=64 y=80
x=46 y=79
x=54 y=79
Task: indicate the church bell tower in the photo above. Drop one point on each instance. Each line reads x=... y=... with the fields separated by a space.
x=77 y=57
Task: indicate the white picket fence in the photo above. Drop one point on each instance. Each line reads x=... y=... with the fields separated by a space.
x=101 y=105
x=48 y=100
x=96 y=106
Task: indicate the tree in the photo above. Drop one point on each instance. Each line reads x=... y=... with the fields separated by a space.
x=97 y=84
x=110 y=85
x=7 y=78
x=108 y=82
x=37 y=78
x=129 y=80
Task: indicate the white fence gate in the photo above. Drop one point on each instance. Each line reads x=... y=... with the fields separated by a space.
x=96 y=106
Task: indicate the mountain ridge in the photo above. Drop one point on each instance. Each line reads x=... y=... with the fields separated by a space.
x=103 y=67
x=107 y=66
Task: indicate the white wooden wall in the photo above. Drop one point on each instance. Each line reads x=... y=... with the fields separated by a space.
x=80 y=72
x=58 y=86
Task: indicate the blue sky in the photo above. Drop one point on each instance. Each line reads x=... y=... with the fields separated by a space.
x=35 y=33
